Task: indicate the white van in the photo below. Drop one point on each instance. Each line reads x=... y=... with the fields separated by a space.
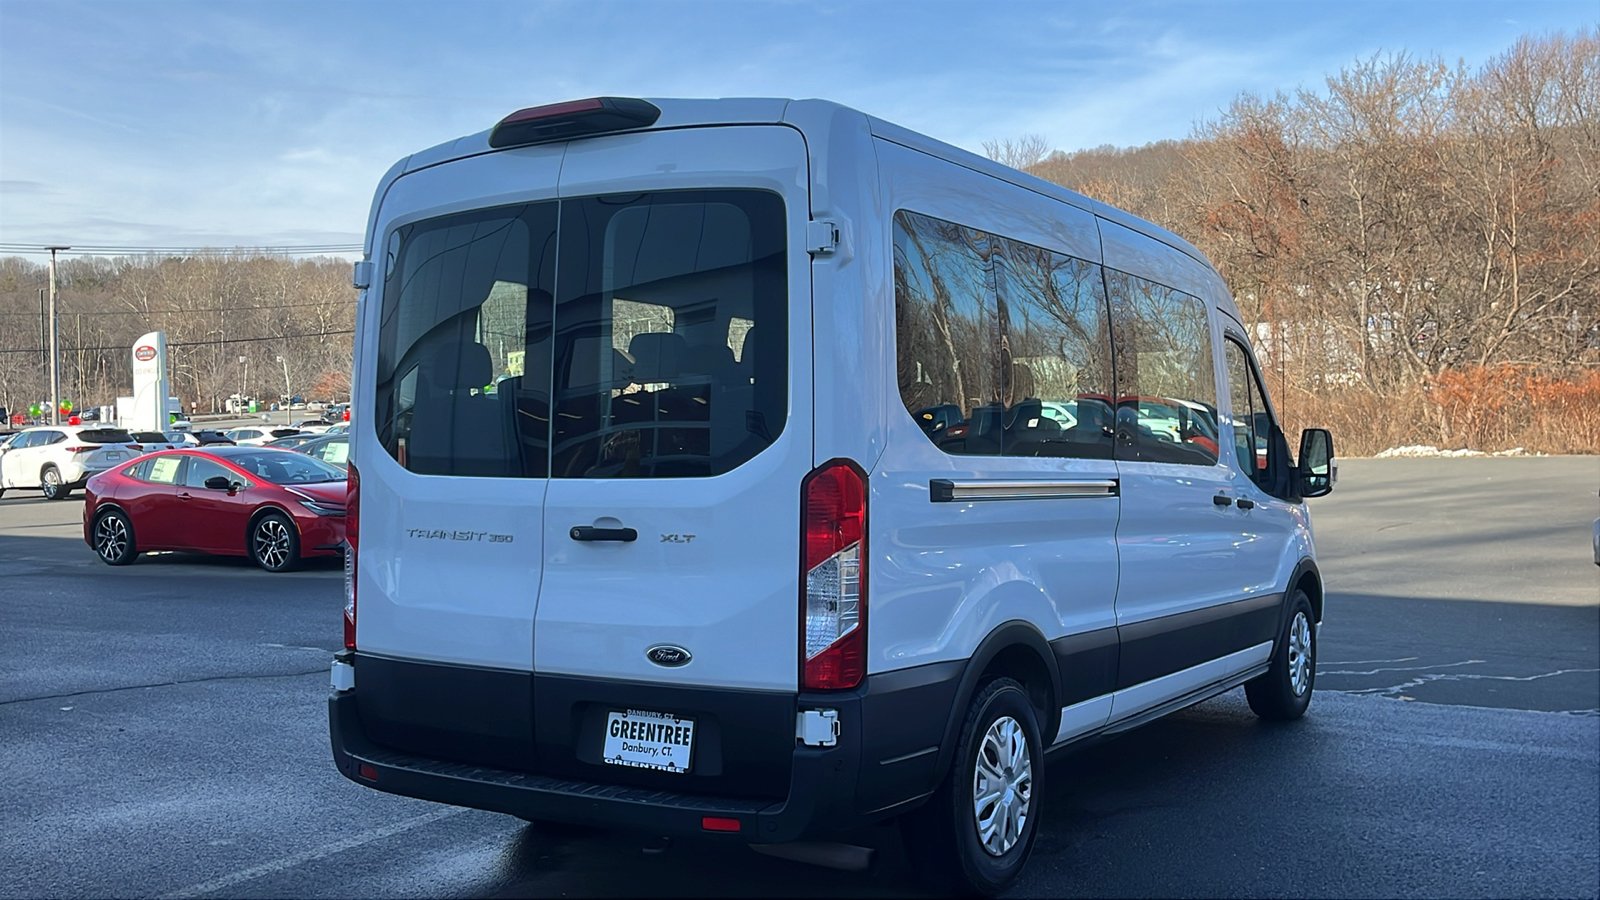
x=701 y=482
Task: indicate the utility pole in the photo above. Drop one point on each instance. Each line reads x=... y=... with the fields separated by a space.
x=44 y=338
x=288 y=395
x=55 y=363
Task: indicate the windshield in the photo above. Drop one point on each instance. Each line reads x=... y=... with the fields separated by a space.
x=285 y=467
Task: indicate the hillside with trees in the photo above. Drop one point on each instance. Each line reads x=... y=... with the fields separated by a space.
x=1416 y=245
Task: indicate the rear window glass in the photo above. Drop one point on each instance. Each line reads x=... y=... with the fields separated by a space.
x=108 y=436
x=653 y=343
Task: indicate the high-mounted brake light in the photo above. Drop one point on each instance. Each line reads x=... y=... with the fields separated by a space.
x=352 y=529
x=833 y=592
x=575 y=118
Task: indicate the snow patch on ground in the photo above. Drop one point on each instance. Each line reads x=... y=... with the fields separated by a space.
x=1432 y=451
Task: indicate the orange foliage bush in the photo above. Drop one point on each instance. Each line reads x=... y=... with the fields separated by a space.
x=1487 y=408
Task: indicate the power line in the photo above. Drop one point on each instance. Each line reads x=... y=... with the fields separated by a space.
x=249 y=340
x=179 y=312
x=121 y=250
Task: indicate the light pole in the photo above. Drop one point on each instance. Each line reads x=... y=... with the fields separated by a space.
x=288 y=395
x=55 y=363
x=238 y=406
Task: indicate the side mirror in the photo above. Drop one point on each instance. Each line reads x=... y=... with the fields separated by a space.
x=1318 y=471
x=219 y=483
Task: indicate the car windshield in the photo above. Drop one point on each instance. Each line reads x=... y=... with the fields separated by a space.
x=285 y=467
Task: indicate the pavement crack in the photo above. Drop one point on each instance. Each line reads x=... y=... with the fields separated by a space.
x=1394 y=690
x=134 y=687
x=1468 y=662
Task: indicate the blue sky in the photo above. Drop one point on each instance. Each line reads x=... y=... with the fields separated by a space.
x=189 y=124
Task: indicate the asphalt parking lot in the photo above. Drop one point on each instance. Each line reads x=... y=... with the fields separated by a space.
x=164 y=734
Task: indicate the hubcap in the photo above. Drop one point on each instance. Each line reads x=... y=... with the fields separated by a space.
x=1300 y=654
x=111 y=538
x=272 y=543
x=1002 y=786
x=52 y=481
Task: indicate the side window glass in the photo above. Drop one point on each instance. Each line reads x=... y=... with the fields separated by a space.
x=671 y=350
x=140 y=471
x=1166 y=383
x=166 y=469
x=947 y=340
x=466 y=314
x=24 y=441
x=1252 y=420
x=1055 y=349
x=200 y=469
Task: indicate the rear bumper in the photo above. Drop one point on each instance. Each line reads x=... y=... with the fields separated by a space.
x=821 y=786
x=449 y=734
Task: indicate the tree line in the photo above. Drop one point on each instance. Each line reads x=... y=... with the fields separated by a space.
x=236 y=322
x=1417 y=245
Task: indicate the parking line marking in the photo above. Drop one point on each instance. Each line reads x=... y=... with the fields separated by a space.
x=221 y=885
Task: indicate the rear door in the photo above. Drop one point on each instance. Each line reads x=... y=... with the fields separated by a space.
x=453 y=465
x=681 y=389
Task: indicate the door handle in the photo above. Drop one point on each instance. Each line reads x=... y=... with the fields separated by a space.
x=591 y=533
x=1223 y=500
x=1246 y=504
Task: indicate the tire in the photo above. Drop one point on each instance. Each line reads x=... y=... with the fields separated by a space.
x=274 y=543
x=944 y=839
x=1284 y=692
x=113 y=538
x=50 y=483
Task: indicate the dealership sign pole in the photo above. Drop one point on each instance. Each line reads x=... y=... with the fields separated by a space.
x=55 y=363
x=149 y=383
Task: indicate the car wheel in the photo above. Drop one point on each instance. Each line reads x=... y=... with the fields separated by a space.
x=976 y=832
x=274 y=543
x=1284 y=692
x=113 y=538
x=50 y=483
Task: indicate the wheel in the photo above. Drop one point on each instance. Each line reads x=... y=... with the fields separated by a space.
x=274 y=543
x=1284 y=692
x=113 y=538
x=975 y=833
x=50 y=484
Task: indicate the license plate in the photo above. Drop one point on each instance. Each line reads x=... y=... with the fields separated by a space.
x=114 y=454
x=649 y=740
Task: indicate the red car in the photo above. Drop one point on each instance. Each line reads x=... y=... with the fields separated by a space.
x=275 y=506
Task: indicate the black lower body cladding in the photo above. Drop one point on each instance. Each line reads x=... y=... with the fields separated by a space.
x=530 y=745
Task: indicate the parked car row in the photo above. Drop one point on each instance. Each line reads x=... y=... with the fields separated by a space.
x=58 y=460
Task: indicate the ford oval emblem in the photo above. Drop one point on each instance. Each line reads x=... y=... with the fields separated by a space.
x=144 y=353
x=668 y=655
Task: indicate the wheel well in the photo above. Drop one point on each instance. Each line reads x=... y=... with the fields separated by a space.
x=1020 y=663
x=1313 y=587
x=256 y=517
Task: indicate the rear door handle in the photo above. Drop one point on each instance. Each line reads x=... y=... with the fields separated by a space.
x=1246 y=504
x=1222 y=500
x=591 y=533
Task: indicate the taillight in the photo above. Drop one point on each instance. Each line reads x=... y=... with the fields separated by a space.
x=352 y=531
x=83 y=449
x=833 y=600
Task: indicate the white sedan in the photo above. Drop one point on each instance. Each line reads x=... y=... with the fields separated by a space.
x=252 y=436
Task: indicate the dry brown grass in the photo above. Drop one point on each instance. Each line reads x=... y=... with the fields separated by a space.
x=1488 y=409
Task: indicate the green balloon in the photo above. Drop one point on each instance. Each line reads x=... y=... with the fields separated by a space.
x=66 y=406
x=33 y=410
